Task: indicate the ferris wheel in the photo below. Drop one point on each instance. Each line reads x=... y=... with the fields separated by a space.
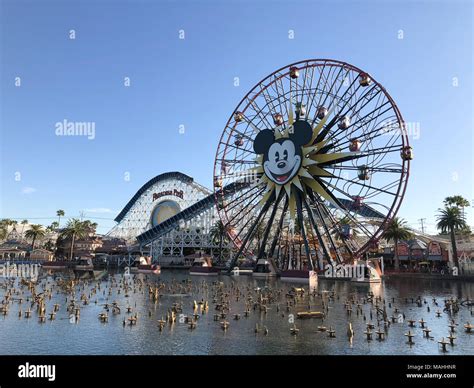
x=311 y=165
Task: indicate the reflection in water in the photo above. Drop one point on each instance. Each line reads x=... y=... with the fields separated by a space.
x=349 y=320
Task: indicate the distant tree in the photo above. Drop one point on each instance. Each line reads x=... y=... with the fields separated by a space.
x=6 y=222
x=23 y=223
x=75 y=229
x=219 y=234
x=35 y=232
x=397 y=230
x=3 y=232
x=450 y=220
x=60 y=213
x=90 y=226
x=458 y=201
x=49 y=245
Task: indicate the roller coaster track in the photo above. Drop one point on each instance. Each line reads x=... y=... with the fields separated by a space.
x=188 y=213
x=207 y=203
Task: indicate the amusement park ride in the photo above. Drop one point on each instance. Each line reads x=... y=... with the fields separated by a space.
x=310 y=168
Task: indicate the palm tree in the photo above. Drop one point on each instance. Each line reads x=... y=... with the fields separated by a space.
x=49 y=245
x=60 y=213
x=4 y=225
x=90 y=226
x=23 y=223
x=396 y=231
x=450 y=220
x=219 y=233
x=75 y=229
x=54 y=225
x=3 y=232
x=35 y=231
x=6 y=221
x=458 y=201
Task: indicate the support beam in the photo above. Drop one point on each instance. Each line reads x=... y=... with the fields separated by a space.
x=299 y=213
x=315 y=227
x=269 y=226
x=251 y=231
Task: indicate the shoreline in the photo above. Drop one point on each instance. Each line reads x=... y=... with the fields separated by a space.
x=413 y=275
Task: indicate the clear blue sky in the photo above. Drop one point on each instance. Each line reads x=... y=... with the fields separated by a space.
x=191 y=82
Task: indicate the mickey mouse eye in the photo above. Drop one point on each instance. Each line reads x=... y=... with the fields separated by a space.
x=285 y=154
x=277 y=156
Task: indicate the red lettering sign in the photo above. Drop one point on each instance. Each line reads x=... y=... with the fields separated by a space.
x=175 y=192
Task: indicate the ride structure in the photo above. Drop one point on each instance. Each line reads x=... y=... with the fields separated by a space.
x=311 y=166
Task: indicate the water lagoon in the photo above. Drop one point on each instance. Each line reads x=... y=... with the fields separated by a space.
x=263 y=330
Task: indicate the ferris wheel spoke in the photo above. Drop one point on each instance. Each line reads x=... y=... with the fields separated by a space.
x=308 y=94
x=341 y=83
x=344 y=100
x=269 y=100
x=269 y=226
x=261 y=114
x=241 y=198
x=343 y=142
x=366 y=186
x=244 y=135
x=313 y=95
x=347 y=213
x=366 y=123
x=388 y=186
x=337 y=225
x=372 y=169
x=299 y=216
x=243 y=216
x=238 y=216
x=325 y=228
x=329 y=235
x=347 y=158
x=251 y=230
x=327 y=81
x=250 y=122
x=241 y=162
x=278 y=88
x=316 y=229
x=364 y=100
x=277 y=234
x=355 y=113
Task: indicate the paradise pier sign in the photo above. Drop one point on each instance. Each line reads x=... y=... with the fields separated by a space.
x=175 y=192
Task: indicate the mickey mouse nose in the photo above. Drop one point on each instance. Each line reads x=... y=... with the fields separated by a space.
x=281 y=164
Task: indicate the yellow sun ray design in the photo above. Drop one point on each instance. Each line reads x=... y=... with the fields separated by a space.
x=308 y=171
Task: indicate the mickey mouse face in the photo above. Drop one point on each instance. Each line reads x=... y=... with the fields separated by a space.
x=282 y=161
x=282 y=158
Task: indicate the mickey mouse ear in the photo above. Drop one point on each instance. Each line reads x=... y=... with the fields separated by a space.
x=263 y=141
x=302 y=132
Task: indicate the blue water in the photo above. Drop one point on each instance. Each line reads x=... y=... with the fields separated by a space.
x=90 y=336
